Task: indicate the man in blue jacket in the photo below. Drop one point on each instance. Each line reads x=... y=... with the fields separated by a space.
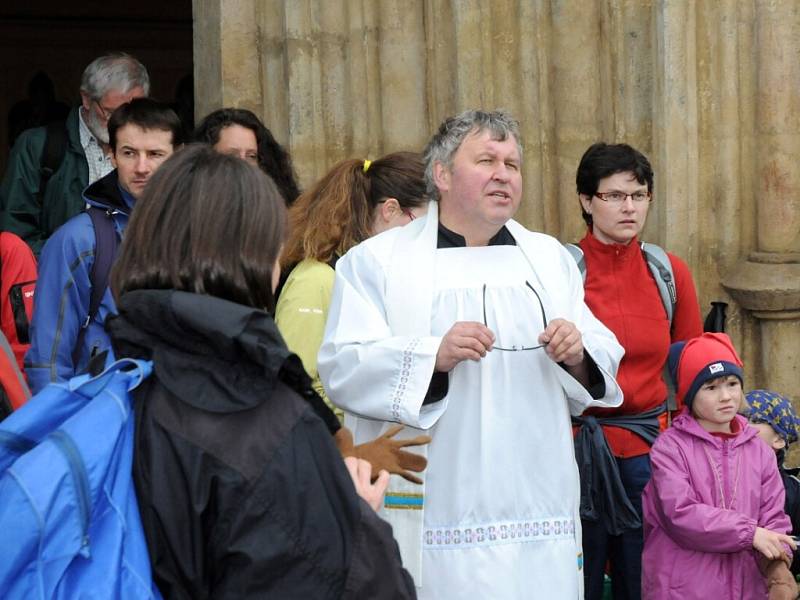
x=78 y=158
x=143 y=134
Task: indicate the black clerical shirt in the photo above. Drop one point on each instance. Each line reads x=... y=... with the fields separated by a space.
x=440 y=382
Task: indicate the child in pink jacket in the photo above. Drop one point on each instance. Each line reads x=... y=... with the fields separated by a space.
x=714 y=526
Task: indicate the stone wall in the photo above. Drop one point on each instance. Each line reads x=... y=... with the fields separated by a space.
x=708 y=89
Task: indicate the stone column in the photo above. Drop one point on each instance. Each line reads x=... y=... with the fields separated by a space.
x=579 y=114
x=227 y=55
x=676 y=134
x=708 y=90
x=768 y=282
x=402 y=64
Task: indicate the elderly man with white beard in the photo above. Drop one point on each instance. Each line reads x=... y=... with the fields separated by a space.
x=50 y=166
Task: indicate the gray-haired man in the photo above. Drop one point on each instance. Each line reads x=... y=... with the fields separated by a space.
x=469 y=326
x=34 y=204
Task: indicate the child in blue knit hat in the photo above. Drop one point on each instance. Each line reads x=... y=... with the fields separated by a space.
x=778 y=425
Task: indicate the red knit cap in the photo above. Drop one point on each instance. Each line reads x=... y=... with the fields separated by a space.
x=703 y=358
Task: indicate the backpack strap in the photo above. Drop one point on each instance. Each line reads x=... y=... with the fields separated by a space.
x=659 y=265
x=14 y=390
x=55 y=147
x=136 y=371
x=661 y=268
x=105 y=251
x=577 y=255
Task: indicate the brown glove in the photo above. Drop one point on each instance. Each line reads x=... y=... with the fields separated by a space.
x=780 y=581
x=386 y=453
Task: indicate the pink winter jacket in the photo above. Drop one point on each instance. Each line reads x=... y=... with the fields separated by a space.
x=695 y=544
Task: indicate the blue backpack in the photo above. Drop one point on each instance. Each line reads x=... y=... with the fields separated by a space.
x=68 y=513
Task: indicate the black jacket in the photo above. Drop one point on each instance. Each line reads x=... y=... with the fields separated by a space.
x=791 y=505
x=241 y=489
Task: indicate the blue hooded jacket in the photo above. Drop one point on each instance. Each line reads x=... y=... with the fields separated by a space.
x=63 y=295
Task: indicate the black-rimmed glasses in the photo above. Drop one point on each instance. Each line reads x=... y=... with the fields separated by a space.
x=620 y=197
x=518 y=348
x=407 y=212
x=105 y=112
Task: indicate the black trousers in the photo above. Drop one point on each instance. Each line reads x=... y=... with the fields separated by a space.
x=624 y=552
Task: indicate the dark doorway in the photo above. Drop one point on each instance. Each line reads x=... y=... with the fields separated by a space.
x=59 y=39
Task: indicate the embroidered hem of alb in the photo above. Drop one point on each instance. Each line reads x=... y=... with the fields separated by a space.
x=502 y=532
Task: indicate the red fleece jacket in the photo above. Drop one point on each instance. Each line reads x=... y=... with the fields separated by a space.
x=621 y=292
x=18 y=268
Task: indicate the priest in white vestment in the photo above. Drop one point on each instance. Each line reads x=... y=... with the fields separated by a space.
x=470 y=327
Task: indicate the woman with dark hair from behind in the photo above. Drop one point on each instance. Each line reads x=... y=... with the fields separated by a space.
x=239 y=132
x=241 y=490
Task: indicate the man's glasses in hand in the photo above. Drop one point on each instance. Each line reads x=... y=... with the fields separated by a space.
x=514 y=348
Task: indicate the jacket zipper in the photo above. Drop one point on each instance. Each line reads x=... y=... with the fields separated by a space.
x=725 y=471
x=64 y=443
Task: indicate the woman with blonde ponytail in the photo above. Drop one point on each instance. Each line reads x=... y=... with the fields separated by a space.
x=353 y=201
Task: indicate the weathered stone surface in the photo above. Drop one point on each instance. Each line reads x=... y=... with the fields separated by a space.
x=708 y=90
x=762 y=286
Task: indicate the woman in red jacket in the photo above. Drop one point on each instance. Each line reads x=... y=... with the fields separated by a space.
x=615 y=186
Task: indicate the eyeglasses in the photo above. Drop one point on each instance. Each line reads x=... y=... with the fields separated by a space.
x=513 y=347
x=620 y=197
x=406 y=211
x=105 y=112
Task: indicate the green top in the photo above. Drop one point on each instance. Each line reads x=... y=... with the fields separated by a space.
x=21 y=210
x=301 y=314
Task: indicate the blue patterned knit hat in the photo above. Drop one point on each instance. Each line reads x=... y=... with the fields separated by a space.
x=775 y=410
